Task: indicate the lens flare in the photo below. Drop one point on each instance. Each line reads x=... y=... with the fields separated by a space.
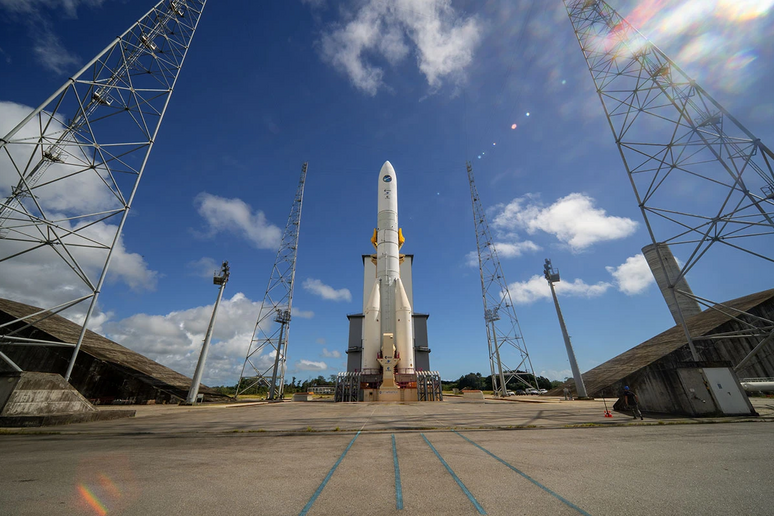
x=92 y=500
x=743 y=10
x=513 y=126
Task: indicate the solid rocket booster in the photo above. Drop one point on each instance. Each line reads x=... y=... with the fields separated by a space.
x=388 y=311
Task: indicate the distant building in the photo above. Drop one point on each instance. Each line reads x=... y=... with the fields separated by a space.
x=321 y=389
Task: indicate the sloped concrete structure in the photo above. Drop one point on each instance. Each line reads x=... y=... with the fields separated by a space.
x=105 y=370
x=42 y=399
x=659 y=369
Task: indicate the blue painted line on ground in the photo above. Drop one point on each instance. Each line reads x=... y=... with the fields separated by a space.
x=541 y=486
x=327 y=477
x=398 y=488
x=456 y=478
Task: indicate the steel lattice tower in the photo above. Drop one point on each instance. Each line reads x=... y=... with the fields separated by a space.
x=276 y=308
x=70 y=170
x=674 y=138
x=503 y=333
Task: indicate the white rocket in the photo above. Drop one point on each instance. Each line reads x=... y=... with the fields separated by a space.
x=388 y=337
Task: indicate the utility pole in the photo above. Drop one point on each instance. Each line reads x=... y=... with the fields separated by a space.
x=503 y=332
x=221 y=280
x=552 y=276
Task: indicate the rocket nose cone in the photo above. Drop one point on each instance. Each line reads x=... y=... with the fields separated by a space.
x=387 y=173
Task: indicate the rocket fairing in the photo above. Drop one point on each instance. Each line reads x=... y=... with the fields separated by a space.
x=387 y=328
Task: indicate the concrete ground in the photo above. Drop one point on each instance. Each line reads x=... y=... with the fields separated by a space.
x=455 y=457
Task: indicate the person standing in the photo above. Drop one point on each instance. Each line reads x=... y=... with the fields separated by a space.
x=632 y=402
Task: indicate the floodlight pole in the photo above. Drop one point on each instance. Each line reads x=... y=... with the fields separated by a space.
x=221 y=280
x=553 y=276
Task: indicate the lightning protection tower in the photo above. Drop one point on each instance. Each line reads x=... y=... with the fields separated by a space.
x=70 y=169
x=270 y=335
x=673 y=138
x=503 y=333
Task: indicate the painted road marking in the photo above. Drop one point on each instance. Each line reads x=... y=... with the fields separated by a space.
x=398 y=489
x=327 y=477
x=541 y=486
x=456 y=478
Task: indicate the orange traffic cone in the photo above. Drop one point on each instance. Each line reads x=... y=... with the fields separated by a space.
x=607 y=412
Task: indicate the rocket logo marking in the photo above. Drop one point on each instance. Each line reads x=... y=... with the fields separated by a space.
x=386 y=179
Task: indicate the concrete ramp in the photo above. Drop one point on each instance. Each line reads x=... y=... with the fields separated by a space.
x=42 y=399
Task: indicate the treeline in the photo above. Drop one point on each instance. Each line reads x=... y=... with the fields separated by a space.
x=290 y=387
x=477 y=382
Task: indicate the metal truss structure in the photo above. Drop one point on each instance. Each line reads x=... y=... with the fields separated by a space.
x=70 y=170
x=273 y=325
x=701 y=179
x=503 y=332
x=348 y=386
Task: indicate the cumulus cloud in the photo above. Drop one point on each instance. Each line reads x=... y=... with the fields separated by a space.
x=553 y=374
x=302 y=314
x=633 y=276
x=330 y=354
x=42 y=278
x=204 y=267
x=536 y=288
x=573 y=219
x=442 y=40
x=309 y=365
x=512 y=249
x=236 y=216
x=175 y=339
x=319 y=288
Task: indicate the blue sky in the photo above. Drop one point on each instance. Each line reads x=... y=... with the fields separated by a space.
x=424 y=84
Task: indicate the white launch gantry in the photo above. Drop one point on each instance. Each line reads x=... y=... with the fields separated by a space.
x=77 y=159
x=503 y=332
x=266 y=356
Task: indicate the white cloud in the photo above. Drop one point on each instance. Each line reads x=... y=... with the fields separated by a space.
x=319 y=288
x=204 y=267
x=50 y=52
x=536 y=288
x=443 y=41
x=553 y=374
x=330 y=354
x=309 y=365
x=302 y=314
x=83 y=191
x=47 y=47
x=175 y=339
x=572 y=219
x=70 y=7
x=41 y=278
x=633 y=276
x=506 y=250
x=236 y=216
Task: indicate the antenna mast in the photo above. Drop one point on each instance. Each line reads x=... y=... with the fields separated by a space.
x=75 y=162
x=276 y=308
x=503 y=332
x=673 y=137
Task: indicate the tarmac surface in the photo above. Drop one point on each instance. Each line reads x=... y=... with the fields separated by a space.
x=452 y=457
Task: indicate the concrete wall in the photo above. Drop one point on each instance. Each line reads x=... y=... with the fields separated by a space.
x=674 y=388
x=38 y=394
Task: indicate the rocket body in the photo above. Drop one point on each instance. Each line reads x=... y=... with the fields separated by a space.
x=388 y=310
